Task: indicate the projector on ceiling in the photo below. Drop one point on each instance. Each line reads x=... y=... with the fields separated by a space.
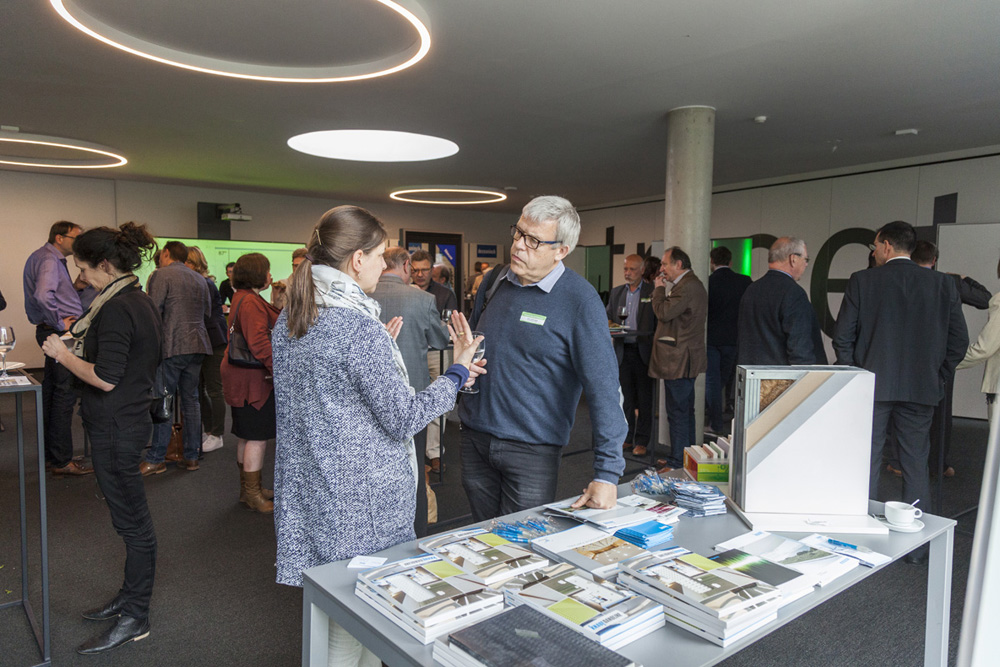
x=233 y=213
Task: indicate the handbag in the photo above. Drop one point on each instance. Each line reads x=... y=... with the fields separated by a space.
x=161 y=409
x=238 y=351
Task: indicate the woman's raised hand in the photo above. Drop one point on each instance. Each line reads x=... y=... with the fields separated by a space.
x=461 y=338
x=394 y=326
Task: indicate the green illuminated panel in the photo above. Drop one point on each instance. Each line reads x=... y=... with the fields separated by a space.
x=742 y=249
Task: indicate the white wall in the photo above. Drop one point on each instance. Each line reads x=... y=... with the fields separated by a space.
x=31 y=202
x=816 y=208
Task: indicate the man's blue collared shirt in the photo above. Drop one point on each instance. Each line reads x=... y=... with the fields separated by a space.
x=49 y=295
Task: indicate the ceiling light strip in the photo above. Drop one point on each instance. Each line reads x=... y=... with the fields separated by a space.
x=90 y=25
x=59 y=142
x=403 y=195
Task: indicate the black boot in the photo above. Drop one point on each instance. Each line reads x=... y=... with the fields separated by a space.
x=106 y=612
x=125 y=630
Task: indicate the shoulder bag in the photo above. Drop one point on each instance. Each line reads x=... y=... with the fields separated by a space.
x=239 y=352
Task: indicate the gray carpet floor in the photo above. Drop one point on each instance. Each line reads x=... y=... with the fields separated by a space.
x=216 y=603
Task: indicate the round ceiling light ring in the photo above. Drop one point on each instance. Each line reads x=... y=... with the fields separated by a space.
x=496 y=195
x=59 y=142
x=92 y=26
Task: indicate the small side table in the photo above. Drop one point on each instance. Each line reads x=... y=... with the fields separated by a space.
x=42 y=633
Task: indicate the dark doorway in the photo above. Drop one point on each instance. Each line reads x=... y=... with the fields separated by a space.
x=449 y=246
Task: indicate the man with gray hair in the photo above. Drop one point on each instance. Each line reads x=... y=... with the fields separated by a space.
x=777 y=324
x=547 y=342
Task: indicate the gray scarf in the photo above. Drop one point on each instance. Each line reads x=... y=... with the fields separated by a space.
x=336 y=289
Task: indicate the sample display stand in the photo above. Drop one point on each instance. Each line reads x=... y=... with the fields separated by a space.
x=42 y=633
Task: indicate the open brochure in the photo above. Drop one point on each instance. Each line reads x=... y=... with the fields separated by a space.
x=484 y=555
x=629 y=511
x=589 y=548
x=822 y=565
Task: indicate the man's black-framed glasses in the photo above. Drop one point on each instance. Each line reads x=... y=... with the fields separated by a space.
x=805 y=258
x=531 y=241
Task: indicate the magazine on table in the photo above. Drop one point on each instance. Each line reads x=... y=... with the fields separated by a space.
x=428 y=589
x=600 y=609
x=484 y=555
x=588 y=547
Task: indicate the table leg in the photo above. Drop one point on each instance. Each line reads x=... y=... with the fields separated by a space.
x=315 y=630
x=939 y=599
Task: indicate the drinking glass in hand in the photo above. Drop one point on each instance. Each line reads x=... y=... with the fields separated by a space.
x=446 y=315
x=6 y=345
x=480 y=353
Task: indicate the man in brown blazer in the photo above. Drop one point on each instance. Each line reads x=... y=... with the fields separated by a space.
x=679 y=345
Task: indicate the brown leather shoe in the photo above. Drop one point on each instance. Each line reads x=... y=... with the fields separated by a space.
x=72 y=469
x=436 y=464
x=188 y=464
x=146 y=468
x=639 y=450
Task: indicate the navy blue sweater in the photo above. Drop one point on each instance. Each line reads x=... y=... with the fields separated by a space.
x=543 y=350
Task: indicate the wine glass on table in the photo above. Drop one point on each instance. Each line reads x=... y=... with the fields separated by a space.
x=480 y=353
x=6 y=345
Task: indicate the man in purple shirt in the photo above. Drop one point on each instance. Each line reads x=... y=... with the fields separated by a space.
x=52 y=305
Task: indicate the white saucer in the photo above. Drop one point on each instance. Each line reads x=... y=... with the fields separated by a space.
x=14 y=365
x=914 y=527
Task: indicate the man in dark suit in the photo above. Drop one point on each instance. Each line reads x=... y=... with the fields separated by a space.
x=778 y=326
x=679 y=345
x=422 y=329
x=633 y=351
x=904 y=324
x=725 y=289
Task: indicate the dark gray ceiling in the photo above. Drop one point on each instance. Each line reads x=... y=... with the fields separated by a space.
x=549 y=96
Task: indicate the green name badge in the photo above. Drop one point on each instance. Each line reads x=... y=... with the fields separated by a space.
x=532 y=318
x=648 y=299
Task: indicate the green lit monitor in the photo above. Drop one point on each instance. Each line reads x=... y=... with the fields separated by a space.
x=218 y=253
x=742 y=249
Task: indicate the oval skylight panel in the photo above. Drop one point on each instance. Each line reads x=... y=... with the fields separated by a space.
x=373 y=145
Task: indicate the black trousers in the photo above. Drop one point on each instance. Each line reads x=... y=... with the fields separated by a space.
x=910 y=423
x=117 y=455
x=58 y=401
x=637 y=390
x=420 y=519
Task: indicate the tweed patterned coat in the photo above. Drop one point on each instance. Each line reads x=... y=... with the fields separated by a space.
x=343 y=485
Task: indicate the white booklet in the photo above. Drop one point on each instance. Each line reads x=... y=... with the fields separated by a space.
x=863 y=554
x=629 y=511
x=822 y=565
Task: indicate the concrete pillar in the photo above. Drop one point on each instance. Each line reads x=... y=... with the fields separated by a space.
x=688 y=207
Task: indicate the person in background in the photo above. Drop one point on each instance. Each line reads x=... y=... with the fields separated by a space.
x=250 y=391
x=278 y=287
x=650 y=269
x=445 y=300
x=226 y=288
x=52 y=305
x=905 y=325
x=725 y=289
x=777 y=324
x=442 y=274
x=345 y=465
x=115 y=355
x=987 y=349
x=185 y=305
x=422 y=329
x=635 y=295
x=213 y=403
x=678 y=355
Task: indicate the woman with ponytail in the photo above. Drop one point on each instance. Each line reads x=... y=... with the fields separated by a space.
x=345 y=473
x=114 y=352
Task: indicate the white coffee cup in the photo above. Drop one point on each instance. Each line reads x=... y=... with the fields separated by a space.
x=901 y=514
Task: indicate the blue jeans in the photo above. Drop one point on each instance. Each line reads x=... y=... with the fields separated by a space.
x=179 y=375
x=679 y=395
x=116 y=455
x=504 y=476
x=721 y=364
